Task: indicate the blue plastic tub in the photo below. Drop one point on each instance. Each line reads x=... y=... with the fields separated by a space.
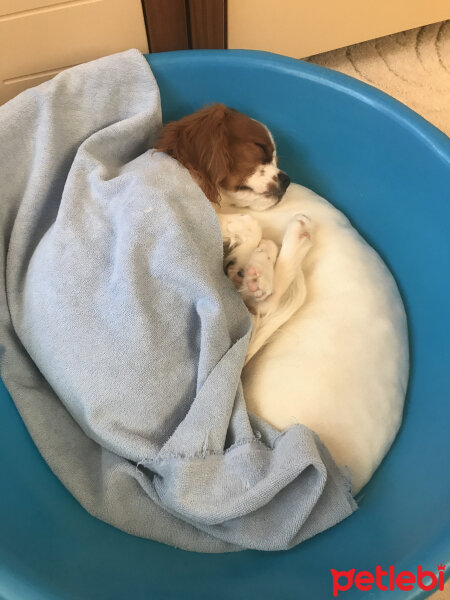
x=389 y=171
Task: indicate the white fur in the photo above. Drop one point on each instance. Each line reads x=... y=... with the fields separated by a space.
x=246 y=198
x=270 y=282
x=262 y=177
x=340 y=365
x=288 y=288
x=257 y=281
x=243 y=233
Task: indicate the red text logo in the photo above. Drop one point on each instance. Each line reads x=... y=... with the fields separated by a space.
x=387 y=580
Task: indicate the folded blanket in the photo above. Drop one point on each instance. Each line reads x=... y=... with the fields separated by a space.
x=122 y=339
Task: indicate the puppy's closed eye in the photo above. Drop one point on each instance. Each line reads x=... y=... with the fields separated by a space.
x=267 y=154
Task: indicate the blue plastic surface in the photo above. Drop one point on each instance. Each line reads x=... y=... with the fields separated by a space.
x=389 y=171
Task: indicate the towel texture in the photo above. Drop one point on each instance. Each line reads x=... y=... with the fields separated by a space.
x=123 y=341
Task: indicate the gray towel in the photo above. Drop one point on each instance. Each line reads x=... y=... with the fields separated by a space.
x=122 y=339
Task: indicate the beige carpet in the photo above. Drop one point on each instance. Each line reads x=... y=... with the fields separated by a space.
x=412 y=66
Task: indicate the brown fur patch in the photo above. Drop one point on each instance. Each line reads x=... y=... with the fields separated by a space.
x=220 y=146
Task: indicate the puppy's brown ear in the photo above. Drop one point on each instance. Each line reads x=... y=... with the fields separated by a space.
x=200 y=142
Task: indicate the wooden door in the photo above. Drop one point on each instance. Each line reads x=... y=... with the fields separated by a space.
x=185 y=24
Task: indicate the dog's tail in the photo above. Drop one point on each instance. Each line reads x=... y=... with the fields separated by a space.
x=264 y=326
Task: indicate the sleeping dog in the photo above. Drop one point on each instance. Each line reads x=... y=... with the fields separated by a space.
x=233 y=159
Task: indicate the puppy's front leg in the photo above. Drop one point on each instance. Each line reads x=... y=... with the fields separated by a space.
x=289 y=289
x=295 y=246
x=257 y=283
x=241 y=236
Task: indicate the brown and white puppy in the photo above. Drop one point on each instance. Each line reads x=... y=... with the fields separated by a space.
x=233 y=159
x=230 y=156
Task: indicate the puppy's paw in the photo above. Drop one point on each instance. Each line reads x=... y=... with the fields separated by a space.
x=298 y=233
x=302 y=226
x=240 y=229
x=257 y=281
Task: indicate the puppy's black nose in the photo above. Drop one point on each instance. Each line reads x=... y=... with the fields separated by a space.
x=283 y=181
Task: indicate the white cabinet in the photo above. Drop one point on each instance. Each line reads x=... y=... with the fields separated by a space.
x=39 y=38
